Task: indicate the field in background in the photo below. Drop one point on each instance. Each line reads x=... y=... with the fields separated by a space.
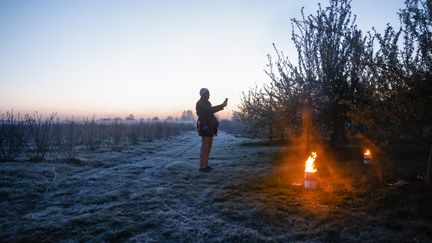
x=36 y=138
x=153 y=191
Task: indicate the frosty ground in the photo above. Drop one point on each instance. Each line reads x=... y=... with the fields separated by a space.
x=154 y=192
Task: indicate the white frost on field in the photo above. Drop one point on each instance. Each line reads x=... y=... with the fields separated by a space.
x=157 y=182
x=153 y=192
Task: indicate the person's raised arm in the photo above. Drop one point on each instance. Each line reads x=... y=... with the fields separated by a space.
x=220 y=107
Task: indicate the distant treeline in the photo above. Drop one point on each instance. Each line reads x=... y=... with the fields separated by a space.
x=33 y=136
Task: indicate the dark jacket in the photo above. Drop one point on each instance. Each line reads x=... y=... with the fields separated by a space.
x=207 y=124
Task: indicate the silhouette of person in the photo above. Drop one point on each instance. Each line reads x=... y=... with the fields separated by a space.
x=207 y=126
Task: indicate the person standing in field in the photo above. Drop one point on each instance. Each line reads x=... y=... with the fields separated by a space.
x=207 y=126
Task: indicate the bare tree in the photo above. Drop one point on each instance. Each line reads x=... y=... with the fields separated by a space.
x=91 y=137
x=133 y=131
x=69 y=140
x=330 y=50
x=11 y=136
x=258 y=110
x=40 y=132
x=116 y=132
x=398 y=92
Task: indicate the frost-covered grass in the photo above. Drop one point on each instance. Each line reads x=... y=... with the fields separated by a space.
x=154 y=192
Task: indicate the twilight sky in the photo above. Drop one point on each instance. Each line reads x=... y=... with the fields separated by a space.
x=149 y=58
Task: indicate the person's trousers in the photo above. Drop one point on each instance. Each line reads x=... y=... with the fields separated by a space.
x=206 y=146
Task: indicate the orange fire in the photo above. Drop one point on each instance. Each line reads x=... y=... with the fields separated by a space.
x=367 y=152
x=310 y=163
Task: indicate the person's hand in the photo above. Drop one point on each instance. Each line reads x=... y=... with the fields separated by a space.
x=225 y=102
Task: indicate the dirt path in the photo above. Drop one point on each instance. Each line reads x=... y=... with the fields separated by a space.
x=154 y=192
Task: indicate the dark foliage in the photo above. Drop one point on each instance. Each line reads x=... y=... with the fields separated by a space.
x=376 y=86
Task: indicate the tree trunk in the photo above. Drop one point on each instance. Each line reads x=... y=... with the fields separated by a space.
x=339 y=135
x=307 y=124
x=271 y=133
x=429 y=170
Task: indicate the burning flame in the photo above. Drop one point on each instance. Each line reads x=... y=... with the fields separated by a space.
x=310 y=166
x=367 y=152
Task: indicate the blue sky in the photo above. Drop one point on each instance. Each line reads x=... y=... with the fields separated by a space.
x=149 y=58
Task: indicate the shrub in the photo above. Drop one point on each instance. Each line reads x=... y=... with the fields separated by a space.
x=40 y=135
x=11 y=137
